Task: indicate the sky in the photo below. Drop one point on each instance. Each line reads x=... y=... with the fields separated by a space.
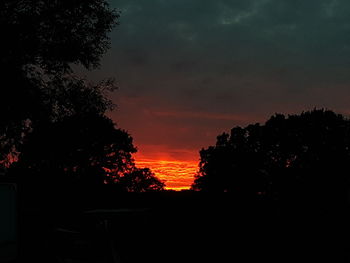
x=188 y=70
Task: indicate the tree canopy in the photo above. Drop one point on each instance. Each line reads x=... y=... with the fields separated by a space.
x=53 y=124
x=288 y=156
x=54 y=34
x=41 y=40
x=83 y=150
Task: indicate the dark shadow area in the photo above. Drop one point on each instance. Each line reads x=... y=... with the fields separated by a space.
x=100 y=225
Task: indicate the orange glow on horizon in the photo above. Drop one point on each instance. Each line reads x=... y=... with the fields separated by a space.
x=178 y=175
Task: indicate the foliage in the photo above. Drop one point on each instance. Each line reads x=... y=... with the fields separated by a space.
x=306 y=154
x=40 y=42
x=140 y=180
x=52 y=35
x=53 y=124
x=77 y=147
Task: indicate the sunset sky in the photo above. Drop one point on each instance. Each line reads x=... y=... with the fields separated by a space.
x=188 y=70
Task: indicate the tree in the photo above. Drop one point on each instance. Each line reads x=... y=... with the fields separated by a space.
x=82 y=147
x=78 y=149
x=140 y=180
x=52 y=35
x=41 y=40
x=53 y=124
x=299 y=155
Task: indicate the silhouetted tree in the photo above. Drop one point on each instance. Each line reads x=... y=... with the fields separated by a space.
x=140 y=180
x=53 y=124
x=74 y=142
x=40 y=41
x=304 y=155
x=54 y=34
x=80 y=145
x=78 y=149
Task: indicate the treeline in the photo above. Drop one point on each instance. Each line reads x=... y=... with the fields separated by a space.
x=304 y=156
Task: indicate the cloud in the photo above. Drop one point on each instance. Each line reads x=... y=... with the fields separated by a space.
x=209 y=65
x=205 y=36
x=198 y=115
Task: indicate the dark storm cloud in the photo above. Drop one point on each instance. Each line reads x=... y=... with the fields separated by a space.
x=231 y=57
x=223 y=37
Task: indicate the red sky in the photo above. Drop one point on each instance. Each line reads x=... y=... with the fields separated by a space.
x=188 y=70
x=177 y=175
x=169 y=140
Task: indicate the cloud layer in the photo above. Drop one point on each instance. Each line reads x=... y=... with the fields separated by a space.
x=190 y=69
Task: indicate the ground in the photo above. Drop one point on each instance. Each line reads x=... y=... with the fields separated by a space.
x=176 y=227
